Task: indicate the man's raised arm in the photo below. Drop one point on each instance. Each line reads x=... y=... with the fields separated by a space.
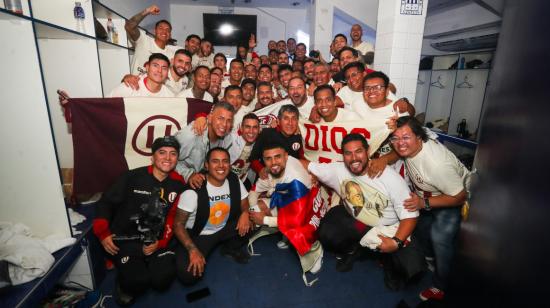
x=131 y=25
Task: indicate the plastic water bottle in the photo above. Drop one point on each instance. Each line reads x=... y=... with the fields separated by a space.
x=110 y=30
x=115 y=36
x=79 y=16
x=14 y=6
x=461 y=65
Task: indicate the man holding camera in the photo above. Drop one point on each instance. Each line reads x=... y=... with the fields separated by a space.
x=133 y=222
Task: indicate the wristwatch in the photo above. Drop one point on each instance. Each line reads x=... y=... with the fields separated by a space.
x=399 y=242
x=427 y=206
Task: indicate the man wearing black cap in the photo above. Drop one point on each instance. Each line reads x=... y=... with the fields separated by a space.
x=134 y=222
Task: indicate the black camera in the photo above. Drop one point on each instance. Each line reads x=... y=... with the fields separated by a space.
x=150 y=220
x=314 y=53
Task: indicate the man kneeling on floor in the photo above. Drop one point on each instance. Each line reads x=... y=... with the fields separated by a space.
x=283 y=202
x=133 y=222
x=373 y=214
x=212 y=214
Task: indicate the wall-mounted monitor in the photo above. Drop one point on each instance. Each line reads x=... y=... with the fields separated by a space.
x=228 y=30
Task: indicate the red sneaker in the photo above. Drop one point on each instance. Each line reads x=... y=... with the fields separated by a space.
x=432 y=293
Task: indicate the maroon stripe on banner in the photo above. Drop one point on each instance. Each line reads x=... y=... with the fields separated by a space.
x=196 y=106
x=168 y=130
x=150 y=136
x=99 y=136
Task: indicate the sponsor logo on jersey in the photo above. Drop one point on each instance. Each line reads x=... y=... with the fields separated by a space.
x=142 y=192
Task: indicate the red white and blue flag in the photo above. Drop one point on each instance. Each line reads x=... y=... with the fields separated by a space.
x=299 y=211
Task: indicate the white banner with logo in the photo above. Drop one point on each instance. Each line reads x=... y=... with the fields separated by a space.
x=148 y=119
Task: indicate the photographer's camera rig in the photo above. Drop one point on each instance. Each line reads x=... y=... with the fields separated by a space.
x=150 y=220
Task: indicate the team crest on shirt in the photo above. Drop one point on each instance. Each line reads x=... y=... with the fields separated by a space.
x=123 y=260
x=172 y=196
x=296 y=146
x=418 y=179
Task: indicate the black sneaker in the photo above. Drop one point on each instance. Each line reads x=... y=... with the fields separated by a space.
x=392 y=279
x=345 y=262
x=239 y=255
x=122 y=298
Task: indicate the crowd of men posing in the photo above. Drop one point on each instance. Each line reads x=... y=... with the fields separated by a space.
x=220 y=178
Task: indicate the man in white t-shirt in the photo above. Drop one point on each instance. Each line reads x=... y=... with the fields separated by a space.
x=352 y=93
x=216 y=213
x=378 y=106
x=241 y=146
x=205 y=55
x=369 y=203
x=297 y=96
x=236 y=73
x=145 y=45
x=150 y=84
x=180 y=71
x=438 y=179
x=201 y=84
x=363 y=47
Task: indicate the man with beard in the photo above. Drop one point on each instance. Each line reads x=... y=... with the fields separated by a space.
x=282 y=58
x=178 y=75
x=195 y=147
x=205 y=55
x=178 y=78
x=150 y=84
x=215 y=214
x=309 y=65
x=297 y=96
x=201 y=84
x=344 y=229
x=286 y=133
x=281 y=46
x=139 y=265
x=265 y=95
x=193 y=43
x=281 y=169
x=144 y=44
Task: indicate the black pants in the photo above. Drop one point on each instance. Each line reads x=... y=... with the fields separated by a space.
x=228 y=237
x=339 y=232
x=136 y=272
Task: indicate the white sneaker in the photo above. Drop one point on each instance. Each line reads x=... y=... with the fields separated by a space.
x=318 y=264
x=282 y=244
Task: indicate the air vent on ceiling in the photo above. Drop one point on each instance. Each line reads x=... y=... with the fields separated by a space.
x=477 y=42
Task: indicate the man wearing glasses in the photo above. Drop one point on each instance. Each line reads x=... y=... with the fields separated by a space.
x=438 y=180
x=378 y=107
